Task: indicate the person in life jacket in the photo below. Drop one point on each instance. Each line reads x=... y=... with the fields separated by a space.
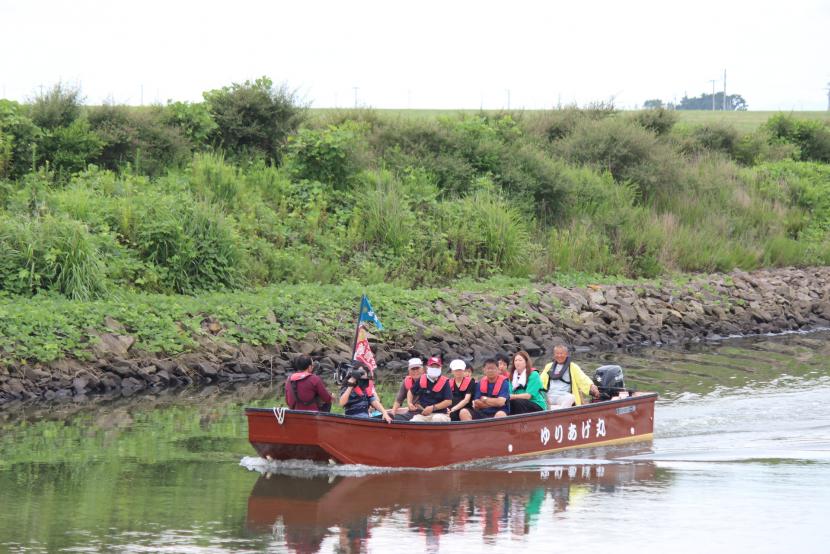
x=401 y=409
x=491 y=396
x=306 y=391
x=564 y=381
x=462 y=386
x=358 y=394
x=433 y=390
x=527 y=395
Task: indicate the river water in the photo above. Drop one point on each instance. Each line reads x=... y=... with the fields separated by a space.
x=740 y=462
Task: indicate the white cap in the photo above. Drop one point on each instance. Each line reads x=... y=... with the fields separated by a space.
x=415 y=362
x=457 y=364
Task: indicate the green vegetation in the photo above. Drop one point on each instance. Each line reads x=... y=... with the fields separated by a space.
x=118 y=206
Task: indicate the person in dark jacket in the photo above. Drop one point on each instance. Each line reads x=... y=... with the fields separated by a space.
x=306 y=391
x=358 y=395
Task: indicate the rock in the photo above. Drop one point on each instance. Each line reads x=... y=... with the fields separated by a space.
x=123 y=368
x=80 y=384
x=528 y=345
x=13 y=387
x=114 y=325
x=110 y=345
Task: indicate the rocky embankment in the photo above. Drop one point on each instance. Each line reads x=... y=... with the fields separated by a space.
x=475 y=325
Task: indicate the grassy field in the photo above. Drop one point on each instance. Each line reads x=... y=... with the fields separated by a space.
x=744 y=122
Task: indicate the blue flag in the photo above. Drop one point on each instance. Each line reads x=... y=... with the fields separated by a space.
x=368 y=314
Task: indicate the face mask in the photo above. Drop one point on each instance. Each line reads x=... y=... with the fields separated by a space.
x=433 y=372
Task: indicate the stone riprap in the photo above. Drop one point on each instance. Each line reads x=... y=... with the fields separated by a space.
x=475 y=325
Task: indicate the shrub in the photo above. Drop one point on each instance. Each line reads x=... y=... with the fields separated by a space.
x=52 y=253
x=383 y=217
x=70 y=149
x=193 y=121
x=811 y=137
x=629 y=153
x=658 y=120
x=552 y=125
x=760 y=147
x=486 y=234
x=22 y=135
x=137 y=137
x=581 y=247
x=254 y=118
x=332 y=155
x=716 y=137
x=58 y=107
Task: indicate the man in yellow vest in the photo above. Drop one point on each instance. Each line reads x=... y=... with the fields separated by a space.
x=564 y=381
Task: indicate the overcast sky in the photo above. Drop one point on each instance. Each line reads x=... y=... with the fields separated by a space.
x=423 y=54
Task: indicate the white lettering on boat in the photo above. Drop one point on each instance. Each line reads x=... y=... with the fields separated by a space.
x=572 y=431
x=586 y=429
x=601 y=427
x=545 y=436
x=557 y=434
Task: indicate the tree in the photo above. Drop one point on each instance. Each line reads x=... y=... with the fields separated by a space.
x=653 y=104
x=254 y=118
x=734 y=102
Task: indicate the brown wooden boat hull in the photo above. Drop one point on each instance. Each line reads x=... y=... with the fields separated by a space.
x=348 y=440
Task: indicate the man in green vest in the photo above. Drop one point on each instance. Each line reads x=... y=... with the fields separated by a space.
x=564 y=381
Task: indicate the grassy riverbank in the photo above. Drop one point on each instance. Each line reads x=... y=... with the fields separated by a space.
x=247 y=204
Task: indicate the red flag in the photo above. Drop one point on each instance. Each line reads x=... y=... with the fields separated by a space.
x=363 y=352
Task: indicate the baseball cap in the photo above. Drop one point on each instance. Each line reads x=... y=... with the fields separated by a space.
x=415 y=362
x=457 y=364
x=433 y=361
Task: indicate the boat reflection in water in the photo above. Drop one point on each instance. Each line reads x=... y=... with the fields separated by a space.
x=302 y=511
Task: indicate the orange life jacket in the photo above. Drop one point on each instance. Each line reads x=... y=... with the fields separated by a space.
x=439 y=384
x=408 y=382
x=299 y=376
x=463 y=386
x=370 y=390
x=499 y=382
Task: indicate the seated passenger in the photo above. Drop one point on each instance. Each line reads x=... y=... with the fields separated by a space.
x=433 y=390
x=462 y=387
x=358 y=394
x=401 y=409
x=564 y=381
x=503 y=360
x=492 y=395
x=527 y=395
x=306 y=391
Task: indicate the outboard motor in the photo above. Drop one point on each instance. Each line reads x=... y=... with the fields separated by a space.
x=609 y=381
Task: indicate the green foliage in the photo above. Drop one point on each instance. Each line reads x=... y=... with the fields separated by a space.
x=331 y=155
x=658 y=120
x=70 y=149
x=254 y=118
x=58 y=107
x=581 y=248
x=628 y=152
x=49 y=254
x=192 y=119
x=137 y=137
x=811 y=137
x=21 y=137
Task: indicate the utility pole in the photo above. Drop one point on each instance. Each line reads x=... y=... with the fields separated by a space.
x=142 y=94
x=828 y=97
x=724 y=90
x=508 y=100
x=713 y=81
x=355 y=96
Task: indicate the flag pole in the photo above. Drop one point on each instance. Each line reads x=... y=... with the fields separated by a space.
x=357 y=327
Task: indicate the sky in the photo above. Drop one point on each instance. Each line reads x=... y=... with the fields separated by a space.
x=425 y=54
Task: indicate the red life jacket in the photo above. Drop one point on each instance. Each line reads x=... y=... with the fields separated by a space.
x=439 y=384
x=408 y=382
x=299 y=376
x=463 y=386
x=499 y=382
x=370 y=390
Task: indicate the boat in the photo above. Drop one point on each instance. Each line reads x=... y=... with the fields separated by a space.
x=283 y=434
